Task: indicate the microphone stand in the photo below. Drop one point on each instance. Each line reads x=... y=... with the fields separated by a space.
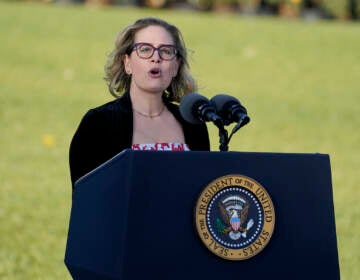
x=207 y=113
x=223 y=136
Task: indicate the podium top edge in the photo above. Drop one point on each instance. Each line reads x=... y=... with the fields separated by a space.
x=129 y=153
x=228 y=152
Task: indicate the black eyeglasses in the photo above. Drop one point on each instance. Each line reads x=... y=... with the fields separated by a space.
x=146 y=50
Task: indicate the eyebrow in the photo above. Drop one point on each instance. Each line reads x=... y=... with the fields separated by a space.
x=160 y=45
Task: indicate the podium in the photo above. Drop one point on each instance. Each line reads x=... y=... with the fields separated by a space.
x=133 y=217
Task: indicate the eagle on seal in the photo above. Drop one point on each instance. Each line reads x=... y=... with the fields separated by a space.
x=234 y=211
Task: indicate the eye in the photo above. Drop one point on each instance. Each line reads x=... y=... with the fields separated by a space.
x=145 y=49
x=167 y=50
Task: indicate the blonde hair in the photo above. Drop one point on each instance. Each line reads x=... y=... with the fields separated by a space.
x=119 y=81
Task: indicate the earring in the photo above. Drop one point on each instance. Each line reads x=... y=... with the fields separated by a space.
x=128 y=71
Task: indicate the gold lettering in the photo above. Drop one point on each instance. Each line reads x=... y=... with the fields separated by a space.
x=248 y=184
x=202 y=224
x=264 y=235
x=226 y=182
x=258 y=242
x=205 y=235
x=261 y=195
x=202 y=209
x=214 y=188
x=268 y=216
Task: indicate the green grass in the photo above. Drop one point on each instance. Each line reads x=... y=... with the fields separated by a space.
x=299 y=80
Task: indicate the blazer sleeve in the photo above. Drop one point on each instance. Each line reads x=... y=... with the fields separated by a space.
x=88 y=145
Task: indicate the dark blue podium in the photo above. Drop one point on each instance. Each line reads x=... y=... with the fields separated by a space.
x=133 y=217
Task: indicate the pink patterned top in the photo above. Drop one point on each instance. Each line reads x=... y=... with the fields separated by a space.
x=173 y=146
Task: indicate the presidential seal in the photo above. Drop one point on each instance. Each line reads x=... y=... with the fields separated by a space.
x=235 y=217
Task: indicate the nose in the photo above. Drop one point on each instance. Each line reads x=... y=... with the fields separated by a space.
x=156 y=57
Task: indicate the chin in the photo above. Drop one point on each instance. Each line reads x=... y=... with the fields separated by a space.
x=156 y=89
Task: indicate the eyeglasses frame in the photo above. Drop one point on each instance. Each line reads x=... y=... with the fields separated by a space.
x=155 y=49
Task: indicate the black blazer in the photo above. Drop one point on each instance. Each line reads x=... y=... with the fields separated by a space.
x=107 y=130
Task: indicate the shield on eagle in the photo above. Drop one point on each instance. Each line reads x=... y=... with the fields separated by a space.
x=234 y=210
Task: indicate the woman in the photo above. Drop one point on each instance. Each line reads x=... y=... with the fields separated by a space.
x=149 y=66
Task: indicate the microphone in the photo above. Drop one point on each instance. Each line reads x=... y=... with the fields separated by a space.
x=230 y=110
x=197 y=109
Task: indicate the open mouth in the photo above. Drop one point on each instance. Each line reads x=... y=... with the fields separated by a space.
x=155 y=72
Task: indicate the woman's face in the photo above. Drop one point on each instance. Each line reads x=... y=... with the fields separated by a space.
x=153 y=74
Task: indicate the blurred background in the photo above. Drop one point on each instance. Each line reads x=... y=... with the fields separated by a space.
x=295 y=66
x=309 y=9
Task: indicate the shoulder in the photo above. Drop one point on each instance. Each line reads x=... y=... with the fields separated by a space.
x=108 y=112
x=172 y=107
x=102 y=133
x=104 y=122
x=121 y=105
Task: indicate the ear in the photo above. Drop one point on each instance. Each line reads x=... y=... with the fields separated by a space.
x=127 y=64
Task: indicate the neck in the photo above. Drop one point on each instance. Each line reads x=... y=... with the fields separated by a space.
x=147 y=104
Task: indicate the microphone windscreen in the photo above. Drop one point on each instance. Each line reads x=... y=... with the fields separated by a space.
x=189 y=105
x=220 y=100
